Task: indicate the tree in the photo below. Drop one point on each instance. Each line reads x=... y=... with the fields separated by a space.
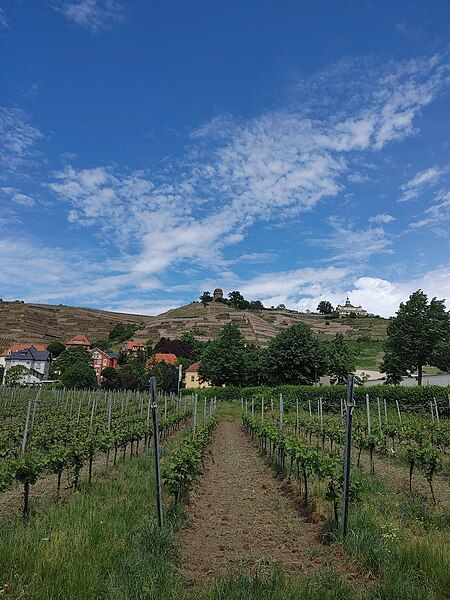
x=14 y=375
x=341 y=360
x=71 y=356
x=238 y=301
x=195 y=345
x=417 y=335
x=222 y=362
x=79 y=376
x=133 y=375
x=205 y=298
x=177 y=347
x=56 y=348
x=102 y=345
x=295 y=356
x=166 y=376
x=254 y=358
x=256 y=305
x=325 y=307
x=111 y=379
x=121 y=333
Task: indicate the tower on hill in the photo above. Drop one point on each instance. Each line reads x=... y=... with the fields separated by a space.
x=218 y=295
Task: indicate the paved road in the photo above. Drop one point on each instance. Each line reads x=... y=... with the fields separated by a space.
x=442 y=380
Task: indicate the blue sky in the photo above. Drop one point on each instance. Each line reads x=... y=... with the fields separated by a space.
x=294 y=150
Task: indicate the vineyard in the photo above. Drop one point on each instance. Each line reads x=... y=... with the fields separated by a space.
x=252 y=496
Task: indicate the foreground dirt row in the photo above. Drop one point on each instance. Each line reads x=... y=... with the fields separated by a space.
x=238 y=517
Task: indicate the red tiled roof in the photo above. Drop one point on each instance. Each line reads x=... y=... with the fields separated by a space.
x=135 y=344
x=78 y=340
x=170 y=359
x=193 y=368
x=19 y=347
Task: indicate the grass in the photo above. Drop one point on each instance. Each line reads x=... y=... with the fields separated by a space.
x=104 y=544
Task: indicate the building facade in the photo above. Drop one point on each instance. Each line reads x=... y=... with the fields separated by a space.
x=80 y=341
x=192 y=378
x=36 y=365
x=101 y=360
x=348 y=308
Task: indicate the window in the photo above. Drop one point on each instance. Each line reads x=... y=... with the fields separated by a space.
x=192 y=377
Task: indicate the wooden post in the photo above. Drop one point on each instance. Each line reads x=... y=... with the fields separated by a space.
x=398 y=410
x=281 y=412
x=436 y=409
x=194 y=421
x=159 y=507
x=379 y=415
x=347 y=454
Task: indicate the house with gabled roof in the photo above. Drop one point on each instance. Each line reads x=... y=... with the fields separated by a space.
x=36 y=365
x=80 y=341
x=101 y=360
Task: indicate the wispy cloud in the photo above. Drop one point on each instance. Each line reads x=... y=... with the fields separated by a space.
x=437 y=215
x=382 y=219
x=3 y=19
x=15 y=196
x=17 y=137
x=412 y=188
x=95 y=15
x=354 y=244
x=237 y=173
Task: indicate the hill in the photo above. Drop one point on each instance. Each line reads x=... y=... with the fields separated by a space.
x=21 y=322
x=44 y=323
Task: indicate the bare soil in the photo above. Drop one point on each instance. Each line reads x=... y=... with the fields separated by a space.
x=239 y=518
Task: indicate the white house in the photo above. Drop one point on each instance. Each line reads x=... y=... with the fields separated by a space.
x=37 y=363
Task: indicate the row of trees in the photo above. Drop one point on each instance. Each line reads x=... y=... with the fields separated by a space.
x=294 y=356
x=235 y=299
x=417 y=336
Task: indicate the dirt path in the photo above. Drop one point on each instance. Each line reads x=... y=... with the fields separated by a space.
x=239 y=519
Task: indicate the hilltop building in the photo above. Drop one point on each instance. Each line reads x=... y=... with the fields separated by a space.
x=348 y=308
x=192 y=377
x=218 y=295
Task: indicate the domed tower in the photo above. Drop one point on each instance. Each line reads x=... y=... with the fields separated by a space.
x=218 y=295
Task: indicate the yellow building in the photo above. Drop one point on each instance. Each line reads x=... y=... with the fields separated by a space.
x=192 y=377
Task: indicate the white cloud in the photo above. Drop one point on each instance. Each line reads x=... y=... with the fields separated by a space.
x=438 y=214
x=16 y=196
x=17 y=138
x=352 y=244
x=145 y=307
x=238 y=173
x=382 y=218
x=3 y=19
x=376 y=295
x=286 y=284
x=412 y=188
x=95 y=15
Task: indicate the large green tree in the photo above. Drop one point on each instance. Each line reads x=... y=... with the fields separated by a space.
x=79 y=376
x=56 y=348
x=254 y=359
x=223 y=359
x=417 y=336
x=341 y=360
x=238 y=301
x=71 y=355
x=14 y=375
x=325 y=307
x=295 y=356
